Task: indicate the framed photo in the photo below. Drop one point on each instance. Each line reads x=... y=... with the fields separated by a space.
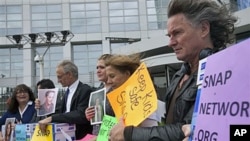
x=98 y=99
x=47 y=98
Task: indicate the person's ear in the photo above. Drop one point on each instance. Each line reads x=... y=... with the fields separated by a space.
x=205 y=28
x=127 y=73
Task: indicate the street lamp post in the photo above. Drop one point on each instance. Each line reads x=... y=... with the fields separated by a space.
x=43 y=39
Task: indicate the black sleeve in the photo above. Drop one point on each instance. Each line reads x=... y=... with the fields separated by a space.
x=169 y=132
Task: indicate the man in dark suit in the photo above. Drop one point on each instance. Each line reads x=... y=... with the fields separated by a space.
x=75 y=101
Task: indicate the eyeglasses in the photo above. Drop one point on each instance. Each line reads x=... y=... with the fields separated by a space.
x=19 y=93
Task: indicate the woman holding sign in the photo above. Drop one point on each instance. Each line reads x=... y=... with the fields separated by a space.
x=118 y=69
x=90 y=112
x=22 y=106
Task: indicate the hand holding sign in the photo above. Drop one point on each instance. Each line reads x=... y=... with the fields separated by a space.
x=42 y=136
x=107 y=123
x=116 y=133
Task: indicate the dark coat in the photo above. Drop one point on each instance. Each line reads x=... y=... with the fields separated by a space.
x=76 y=115
x=183 y=111
x=26 y=118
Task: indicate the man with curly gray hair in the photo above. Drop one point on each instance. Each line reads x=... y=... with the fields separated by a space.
x=193 y=26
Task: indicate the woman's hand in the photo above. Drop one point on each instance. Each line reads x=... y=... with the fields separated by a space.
x=37 y=104
x=90 y=112
x=1 y=136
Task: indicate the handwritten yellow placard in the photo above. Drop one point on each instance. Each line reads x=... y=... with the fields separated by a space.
x=39 y=136
x=136 y=99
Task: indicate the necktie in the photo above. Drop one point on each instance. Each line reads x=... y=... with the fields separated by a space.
x=66 y=95
x=65 y=100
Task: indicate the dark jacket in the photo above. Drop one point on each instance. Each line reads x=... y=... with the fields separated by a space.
x=26 y=118
x=76 y=115
x=183 y=111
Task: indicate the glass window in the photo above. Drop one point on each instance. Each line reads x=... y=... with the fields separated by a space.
x=242 y=4
x=54 y=16
x=92 y=6
x=151 y=11
x=54 y=28
x=2 y=17
x=128 y=5
x=78 y=29
x=11 y=62
x=54 y=23
x=131 y=20
x=78 y=48
x=38 y=29
x=12 y=31
x=2 y=9
x=2 y=31
x=78 y=15
x=85 y=18
x=5 y=66
x=115 y=13
x=93 y=14
x=54 y=8
x=46 y=17
x=16 y=65
x=77 y=22
x=130 y=12
x=14 y=9
x=4 y=58
x=14 y=24
x=120 y=19
x=93 y=21
x=38 y=8
x=2 y=24
x=77 y=7
x=150 y=3
x=38 y=16
x=115 y=5
x=152 y=18
x=93 y=29
x=39 y=24
x=94 y=47
x=156 y=14
x=152 y=25
x=116 y=27
x=56 y=50
x=131 y=27
x=116 y=20
x=86 y=56
x=12 y=17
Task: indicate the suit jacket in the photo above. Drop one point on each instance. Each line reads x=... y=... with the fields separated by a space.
x=76 y=115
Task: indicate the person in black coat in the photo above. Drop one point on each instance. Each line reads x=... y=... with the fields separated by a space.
x=74 y=102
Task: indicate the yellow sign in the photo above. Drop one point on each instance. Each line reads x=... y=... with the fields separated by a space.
x=39 y=136
x=136 y=99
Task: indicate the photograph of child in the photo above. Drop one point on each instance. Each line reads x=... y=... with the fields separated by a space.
x=97 y=100
x=47 y=99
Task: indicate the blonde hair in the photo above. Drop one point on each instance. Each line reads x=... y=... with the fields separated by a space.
x=124 y=63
